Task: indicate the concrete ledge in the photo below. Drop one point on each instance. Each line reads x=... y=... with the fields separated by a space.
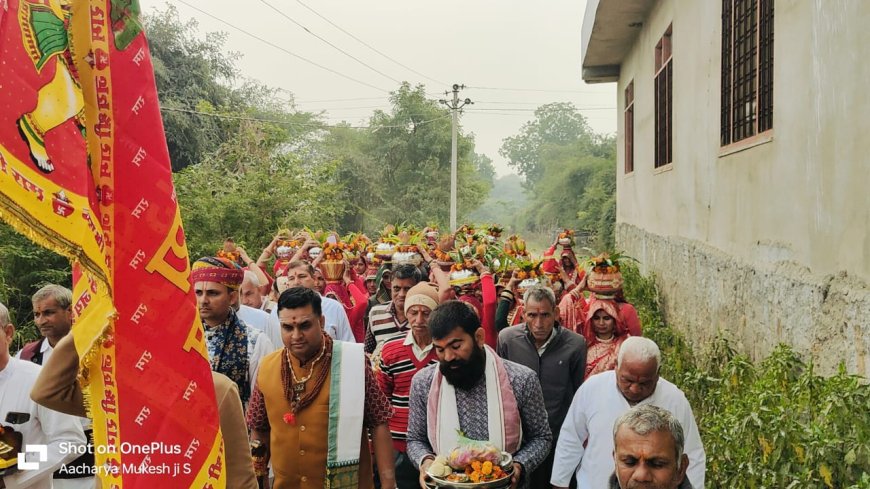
x=601 y=74
x=705 y=292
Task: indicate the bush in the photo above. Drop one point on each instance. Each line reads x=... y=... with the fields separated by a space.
x=775 y=424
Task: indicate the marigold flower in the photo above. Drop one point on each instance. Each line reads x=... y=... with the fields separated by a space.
x=486 y=468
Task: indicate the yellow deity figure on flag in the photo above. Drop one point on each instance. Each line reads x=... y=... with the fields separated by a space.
x=44 y=32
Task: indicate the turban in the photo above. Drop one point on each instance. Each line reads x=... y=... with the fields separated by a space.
x=219 y=270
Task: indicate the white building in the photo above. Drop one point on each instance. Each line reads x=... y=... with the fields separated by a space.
x=742 y=174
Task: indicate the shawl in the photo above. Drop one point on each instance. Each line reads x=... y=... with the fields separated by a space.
x=228 y=351
x=346 y=391
x=503 y=415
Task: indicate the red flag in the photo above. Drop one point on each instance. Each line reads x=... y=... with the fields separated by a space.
x=84 y=170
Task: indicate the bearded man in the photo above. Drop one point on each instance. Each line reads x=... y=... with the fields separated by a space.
x=474 y=391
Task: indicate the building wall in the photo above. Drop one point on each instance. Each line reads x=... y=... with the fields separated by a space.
x=764 y=234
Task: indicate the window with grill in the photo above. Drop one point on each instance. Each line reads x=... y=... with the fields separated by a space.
x=747 y=69
x=629 y=127
x=664 y=65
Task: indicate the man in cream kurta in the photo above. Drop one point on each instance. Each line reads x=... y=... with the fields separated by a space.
x=602 y=399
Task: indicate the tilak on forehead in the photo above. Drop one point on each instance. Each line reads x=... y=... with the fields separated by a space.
x=219 y=270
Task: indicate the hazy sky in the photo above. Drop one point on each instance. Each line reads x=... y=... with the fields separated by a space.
x=484 y=44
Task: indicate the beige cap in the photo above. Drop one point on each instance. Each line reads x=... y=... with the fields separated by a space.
x=422 y=294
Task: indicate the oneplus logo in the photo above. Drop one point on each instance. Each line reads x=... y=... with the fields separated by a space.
x=41 y=450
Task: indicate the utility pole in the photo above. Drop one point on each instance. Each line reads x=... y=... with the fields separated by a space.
x=455 y=105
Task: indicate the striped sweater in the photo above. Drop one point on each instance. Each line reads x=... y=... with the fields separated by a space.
x=396 y=366
x=383 y=326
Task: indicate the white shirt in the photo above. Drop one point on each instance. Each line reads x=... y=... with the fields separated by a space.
x=336 y=322
x=263 y=321
x=45 y=348
x=44 y=427
x=543 y=347
x=593 y=412
x=420 y=353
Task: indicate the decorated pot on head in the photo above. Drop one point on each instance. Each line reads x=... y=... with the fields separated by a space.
x=459 y=278
x=566 y=238
x=411 y=257
x=385 y=251
x=604 y=284
x=370 y=257
x=332 y=270
x=605 y=278
x=284 y=252
x=314 y=252
x=432 y=237
x=526 y=283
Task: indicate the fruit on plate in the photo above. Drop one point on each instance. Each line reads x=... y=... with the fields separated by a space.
x=439 y=467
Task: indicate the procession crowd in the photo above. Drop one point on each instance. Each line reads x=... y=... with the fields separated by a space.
x=413 y=361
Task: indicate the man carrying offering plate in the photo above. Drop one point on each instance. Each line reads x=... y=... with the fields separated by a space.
x=474 y=401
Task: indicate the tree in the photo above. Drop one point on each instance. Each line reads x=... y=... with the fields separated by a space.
x=570 y=173
x=252 y=186
x=191 y=74
x=555 y=124
x=483 y=165
x=24 y=268
x=399 y=168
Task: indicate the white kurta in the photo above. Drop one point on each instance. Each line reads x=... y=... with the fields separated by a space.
x=45 y=348
x=263 y=321
x=593 y=412
x=60 y=432
x=337 y=325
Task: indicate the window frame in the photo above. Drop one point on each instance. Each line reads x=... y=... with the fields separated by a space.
x=628 y=125
x=758 y=32
x=664 y=97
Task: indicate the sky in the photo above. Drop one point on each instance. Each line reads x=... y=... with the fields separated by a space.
x=511 y=55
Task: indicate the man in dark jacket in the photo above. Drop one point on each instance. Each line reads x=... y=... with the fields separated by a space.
x=648 y=450
x=556 y=354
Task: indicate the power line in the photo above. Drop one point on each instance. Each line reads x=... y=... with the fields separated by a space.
x=531 y=90
x=283 y=49
x=522 y=103
x=291 y=123
x=368 y=45
x=509 y=109
x=342 y=51
x=338 y=100
x=521 y=114
x=355 y=108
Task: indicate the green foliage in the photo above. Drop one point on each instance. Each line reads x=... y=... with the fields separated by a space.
x=555 y=124
x=774 y=424
x=24 y=268
x=569 y=174
x=399 y=169
x=505 y=201
x=191 y=74
x=249 y=188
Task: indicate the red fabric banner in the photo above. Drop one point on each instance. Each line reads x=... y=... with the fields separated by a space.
x=84 y=170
